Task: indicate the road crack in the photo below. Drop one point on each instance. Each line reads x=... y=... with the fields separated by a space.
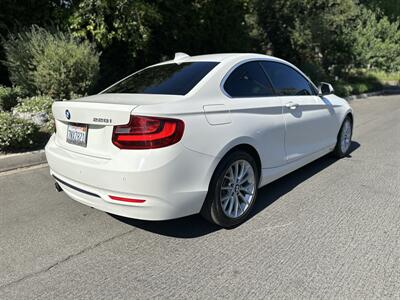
x=69 y=257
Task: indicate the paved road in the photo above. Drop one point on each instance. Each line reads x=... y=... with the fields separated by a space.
x=331 y=229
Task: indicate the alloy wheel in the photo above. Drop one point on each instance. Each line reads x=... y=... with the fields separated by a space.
x=345 y=137
x=237 y=189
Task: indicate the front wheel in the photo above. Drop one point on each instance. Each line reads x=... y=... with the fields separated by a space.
x=233 y=190
x=344 y=138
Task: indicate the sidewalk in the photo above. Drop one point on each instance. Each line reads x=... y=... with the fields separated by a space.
x=21 y=160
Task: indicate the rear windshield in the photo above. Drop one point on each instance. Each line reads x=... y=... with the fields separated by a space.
x=169 y=79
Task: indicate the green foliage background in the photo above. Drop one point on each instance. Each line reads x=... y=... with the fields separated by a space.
x=17 y=133
x=54 y=64
x=327 y=38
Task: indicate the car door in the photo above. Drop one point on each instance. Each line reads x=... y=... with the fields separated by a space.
x=256 y=111
x=306 y=117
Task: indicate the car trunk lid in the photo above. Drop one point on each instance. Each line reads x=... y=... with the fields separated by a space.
x=94 y=115
x=97 y=115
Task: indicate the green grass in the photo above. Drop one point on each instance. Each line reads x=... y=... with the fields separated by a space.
x=381 y=76
x=359 y=81
x=385 y=77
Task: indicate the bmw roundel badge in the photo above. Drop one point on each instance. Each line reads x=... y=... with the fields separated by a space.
x=68 y=114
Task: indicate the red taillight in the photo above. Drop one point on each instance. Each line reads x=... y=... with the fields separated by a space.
x=148 y=133
x=116 y=198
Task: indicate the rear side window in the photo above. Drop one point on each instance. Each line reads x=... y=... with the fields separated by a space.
x=248 y=80
x=168 y=79
x=286 y=80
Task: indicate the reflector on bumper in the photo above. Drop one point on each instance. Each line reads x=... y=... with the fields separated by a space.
x=116 y=198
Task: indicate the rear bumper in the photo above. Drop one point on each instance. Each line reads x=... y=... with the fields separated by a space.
x=173 y=181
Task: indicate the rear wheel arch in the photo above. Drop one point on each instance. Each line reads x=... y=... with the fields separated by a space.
x=250 y=150
x=211 y=209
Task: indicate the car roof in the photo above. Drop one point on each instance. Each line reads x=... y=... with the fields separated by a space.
x=218 y=57
x=229 y=58
x=232 y=59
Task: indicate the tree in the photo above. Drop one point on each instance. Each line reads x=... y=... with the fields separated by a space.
x=201 y=26
x=15 y=15
x=391 y=8
x=377 y=42
x=316 y=31
x=107 y=21
x=121 y=29
x=133 y=34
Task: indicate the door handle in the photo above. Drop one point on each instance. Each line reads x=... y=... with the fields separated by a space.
x=292 y=105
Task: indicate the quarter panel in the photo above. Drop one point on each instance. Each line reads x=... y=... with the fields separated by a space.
x=254 y=121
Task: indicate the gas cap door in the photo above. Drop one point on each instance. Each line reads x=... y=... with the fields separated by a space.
x=217 y=114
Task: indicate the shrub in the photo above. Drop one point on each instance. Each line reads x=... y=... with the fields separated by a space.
x=34 y=105
x=54 y=64
x=385 y=77
x=342 y=89
x=363 y=81
x=9 y=97
x=38 y=110
x=17 y=134
x=360 y=88
x=355 y=86
x=65 y=69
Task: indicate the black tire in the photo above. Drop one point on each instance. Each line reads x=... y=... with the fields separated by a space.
x=212 y=208
x=338 y=151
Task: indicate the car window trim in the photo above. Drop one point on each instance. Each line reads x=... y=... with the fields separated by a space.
x=312 y=85
x=268 y=78
x=226 y=76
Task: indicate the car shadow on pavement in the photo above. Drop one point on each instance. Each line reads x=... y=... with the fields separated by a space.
x=273 y=191
x=195 y=226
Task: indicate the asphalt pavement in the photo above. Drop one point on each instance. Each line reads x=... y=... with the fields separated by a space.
x=328 y=230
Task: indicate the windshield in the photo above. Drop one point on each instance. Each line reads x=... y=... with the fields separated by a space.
x=168 y=79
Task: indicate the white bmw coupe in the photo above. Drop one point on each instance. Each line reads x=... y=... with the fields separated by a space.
x=194 y=135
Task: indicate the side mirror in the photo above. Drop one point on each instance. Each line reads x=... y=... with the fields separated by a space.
x=325 y=89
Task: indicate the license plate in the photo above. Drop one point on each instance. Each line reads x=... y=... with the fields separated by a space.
x=77 y=134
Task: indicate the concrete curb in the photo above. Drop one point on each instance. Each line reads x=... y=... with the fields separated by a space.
x=364 y=96
x=10 y=162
